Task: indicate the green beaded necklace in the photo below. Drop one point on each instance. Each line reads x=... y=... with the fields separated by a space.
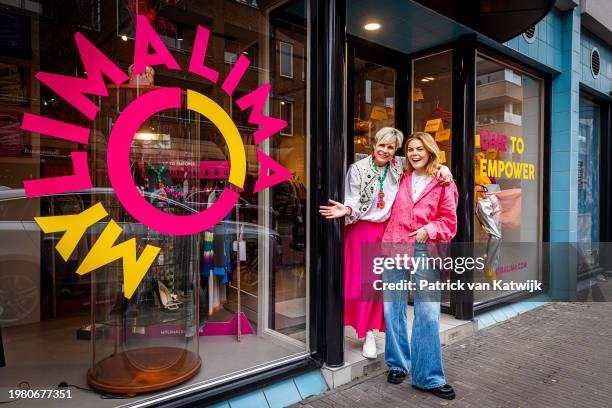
x=381 y=180
x=158 y=172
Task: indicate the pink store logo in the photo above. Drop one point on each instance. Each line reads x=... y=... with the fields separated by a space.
x=73 y=91
x=96 y=63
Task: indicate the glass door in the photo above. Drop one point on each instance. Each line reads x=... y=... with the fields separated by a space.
x=374 y=103
x=432 y=100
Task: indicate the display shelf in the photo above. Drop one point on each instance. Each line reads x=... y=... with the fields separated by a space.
x=146 y=314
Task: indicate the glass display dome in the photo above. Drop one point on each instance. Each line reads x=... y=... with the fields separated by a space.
x=148 y=342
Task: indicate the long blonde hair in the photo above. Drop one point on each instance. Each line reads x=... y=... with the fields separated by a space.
x=431 y=146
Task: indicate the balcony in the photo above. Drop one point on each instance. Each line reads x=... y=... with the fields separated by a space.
x=597 y=17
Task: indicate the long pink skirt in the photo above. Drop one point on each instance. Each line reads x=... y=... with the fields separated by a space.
x=361 y=315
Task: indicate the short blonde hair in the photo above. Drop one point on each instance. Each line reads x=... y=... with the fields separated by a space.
x=431 y=146
x=389 y=135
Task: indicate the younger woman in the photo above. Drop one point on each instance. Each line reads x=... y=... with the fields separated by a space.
x=424 y=212
x=370 y=189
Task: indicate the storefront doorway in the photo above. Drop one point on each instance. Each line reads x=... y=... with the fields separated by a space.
x=416 y=92
x=377 y=94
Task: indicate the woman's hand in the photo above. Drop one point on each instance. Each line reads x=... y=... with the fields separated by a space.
x=444 y=175
x=421 y=235
x=336 y=210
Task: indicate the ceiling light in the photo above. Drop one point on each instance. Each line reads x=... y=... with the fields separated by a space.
x=124 y=37
x=146 y=136
x=372 y=26
x=427 y=79
x=282 y=102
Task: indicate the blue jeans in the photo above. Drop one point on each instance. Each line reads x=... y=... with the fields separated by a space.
x=422 y=356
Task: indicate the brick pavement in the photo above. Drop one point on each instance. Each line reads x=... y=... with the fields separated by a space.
x=559 y=355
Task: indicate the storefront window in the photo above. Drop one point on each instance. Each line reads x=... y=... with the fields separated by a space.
x=248 y=273
x=589 y=182
x=508 y=171
x=374 y=103
x=432 y=100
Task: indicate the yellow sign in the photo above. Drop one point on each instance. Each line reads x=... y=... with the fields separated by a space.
x=378 y=113
x=442 y=156
x=443 y=135
x=417 y=95
x=477 y=141
x=433 y=125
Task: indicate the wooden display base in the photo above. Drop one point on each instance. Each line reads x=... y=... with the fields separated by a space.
x=119 y=375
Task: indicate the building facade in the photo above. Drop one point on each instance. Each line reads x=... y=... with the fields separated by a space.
x=256 y=300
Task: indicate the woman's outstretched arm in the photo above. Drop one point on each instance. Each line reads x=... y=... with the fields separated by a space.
x=350 y=208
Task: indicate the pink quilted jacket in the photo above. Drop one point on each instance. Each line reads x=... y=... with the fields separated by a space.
x=435 y=209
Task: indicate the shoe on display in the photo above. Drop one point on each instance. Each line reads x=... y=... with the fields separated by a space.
x=369 y=346
x=396 y=376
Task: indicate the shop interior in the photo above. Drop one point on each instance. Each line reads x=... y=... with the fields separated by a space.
x=231 y=300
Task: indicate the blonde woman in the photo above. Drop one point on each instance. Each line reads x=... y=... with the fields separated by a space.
x=425 y=211
x=370 y=189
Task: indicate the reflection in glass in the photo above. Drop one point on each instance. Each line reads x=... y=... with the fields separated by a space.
x=374 y=103
x=589 y=123
x=507 y=176
x=175 y=155
x=432 y=100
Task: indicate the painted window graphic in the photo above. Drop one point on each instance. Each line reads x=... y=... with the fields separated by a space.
x=126 y=127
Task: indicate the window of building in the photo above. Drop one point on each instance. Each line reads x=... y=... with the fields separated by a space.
x=508 y=172
x=286 y=59
x=589 y=182
x=286 y=114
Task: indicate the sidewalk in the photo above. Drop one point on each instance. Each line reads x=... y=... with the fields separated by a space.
x=559 y=355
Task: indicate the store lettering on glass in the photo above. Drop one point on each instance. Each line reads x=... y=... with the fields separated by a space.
x=491 y=142
x=73 y=90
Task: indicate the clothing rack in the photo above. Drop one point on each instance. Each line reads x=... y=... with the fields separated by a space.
x=220 y=171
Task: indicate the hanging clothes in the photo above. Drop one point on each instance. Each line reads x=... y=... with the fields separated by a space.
x=227 y=257
x=213 y=286
x=217 y=262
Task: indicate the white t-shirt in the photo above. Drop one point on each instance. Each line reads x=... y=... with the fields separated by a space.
x=418 y=184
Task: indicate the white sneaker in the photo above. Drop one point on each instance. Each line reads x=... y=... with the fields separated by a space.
x=369 y=346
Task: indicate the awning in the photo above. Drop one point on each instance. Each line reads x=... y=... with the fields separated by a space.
x=499 y=20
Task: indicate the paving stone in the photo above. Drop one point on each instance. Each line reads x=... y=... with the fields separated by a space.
x=558 y=355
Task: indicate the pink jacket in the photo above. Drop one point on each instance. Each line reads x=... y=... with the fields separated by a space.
x=435 y=209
